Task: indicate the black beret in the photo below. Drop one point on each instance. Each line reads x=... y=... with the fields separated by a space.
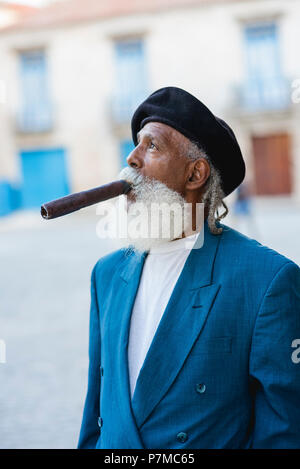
x=185 y=113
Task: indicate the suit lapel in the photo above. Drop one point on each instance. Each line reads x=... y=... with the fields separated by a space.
x=181 y=324
x=121 y=301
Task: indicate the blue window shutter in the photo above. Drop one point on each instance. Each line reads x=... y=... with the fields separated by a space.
x=265 y=87
x=35 y=112
x=131 y=78
x=126 y=147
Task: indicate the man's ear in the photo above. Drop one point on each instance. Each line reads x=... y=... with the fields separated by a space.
x=198 y=174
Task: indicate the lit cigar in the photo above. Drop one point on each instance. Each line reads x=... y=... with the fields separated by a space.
x=73 y=202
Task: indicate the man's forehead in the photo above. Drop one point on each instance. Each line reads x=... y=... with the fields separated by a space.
x=158 y=129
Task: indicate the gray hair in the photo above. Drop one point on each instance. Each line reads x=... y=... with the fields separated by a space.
x=213 y=194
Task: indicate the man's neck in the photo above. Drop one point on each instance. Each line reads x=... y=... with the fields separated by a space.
x=195 y=229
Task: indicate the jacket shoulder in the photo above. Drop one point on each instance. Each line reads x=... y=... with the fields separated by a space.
x=250 y=253
x=107 y=264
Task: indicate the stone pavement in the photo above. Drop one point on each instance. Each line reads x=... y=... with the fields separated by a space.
x=44 y=309
x=44 y=312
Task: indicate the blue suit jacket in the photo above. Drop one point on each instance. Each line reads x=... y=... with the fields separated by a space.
x=218 y=373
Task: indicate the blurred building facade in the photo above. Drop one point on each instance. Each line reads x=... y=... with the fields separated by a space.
x=12 y=12
x=75 y=71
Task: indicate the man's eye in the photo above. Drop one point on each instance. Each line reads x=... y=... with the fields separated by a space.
x=152 y=145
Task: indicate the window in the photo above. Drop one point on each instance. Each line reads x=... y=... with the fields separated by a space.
x=130 y=78
x=265 y=86
x=35 y=113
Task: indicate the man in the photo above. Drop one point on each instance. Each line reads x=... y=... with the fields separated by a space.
x=191 y=348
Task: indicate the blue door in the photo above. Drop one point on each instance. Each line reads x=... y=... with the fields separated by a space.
x=5 y=198
x=9 y=197
x=126 y=148
x=44 y=176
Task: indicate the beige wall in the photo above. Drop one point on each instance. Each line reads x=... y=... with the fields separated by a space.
x=199 y=49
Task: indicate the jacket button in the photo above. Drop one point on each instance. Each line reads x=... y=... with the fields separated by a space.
x=200 y=388
x=101 y=370
x=182 y=437
x=100 y=422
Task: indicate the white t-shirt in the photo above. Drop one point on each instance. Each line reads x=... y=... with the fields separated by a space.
x=161 y=270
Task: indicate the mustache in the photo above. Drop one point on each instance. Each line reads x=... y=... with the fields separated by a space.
x=132 y=176
x=148 y=189
x=140 y=185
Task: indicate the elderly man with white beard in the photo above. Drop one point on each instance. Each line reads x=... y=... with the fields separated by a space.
x=191 y=334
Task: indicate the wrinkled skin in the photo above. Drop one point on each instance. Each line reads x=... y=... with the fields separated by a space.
x=161 y=153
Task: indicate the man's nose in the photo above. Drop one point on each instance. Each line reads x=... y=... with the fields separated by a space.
x=134 y=159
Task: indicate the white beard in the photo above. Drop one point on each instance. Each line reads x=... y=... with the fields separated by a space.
x=147 y=225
